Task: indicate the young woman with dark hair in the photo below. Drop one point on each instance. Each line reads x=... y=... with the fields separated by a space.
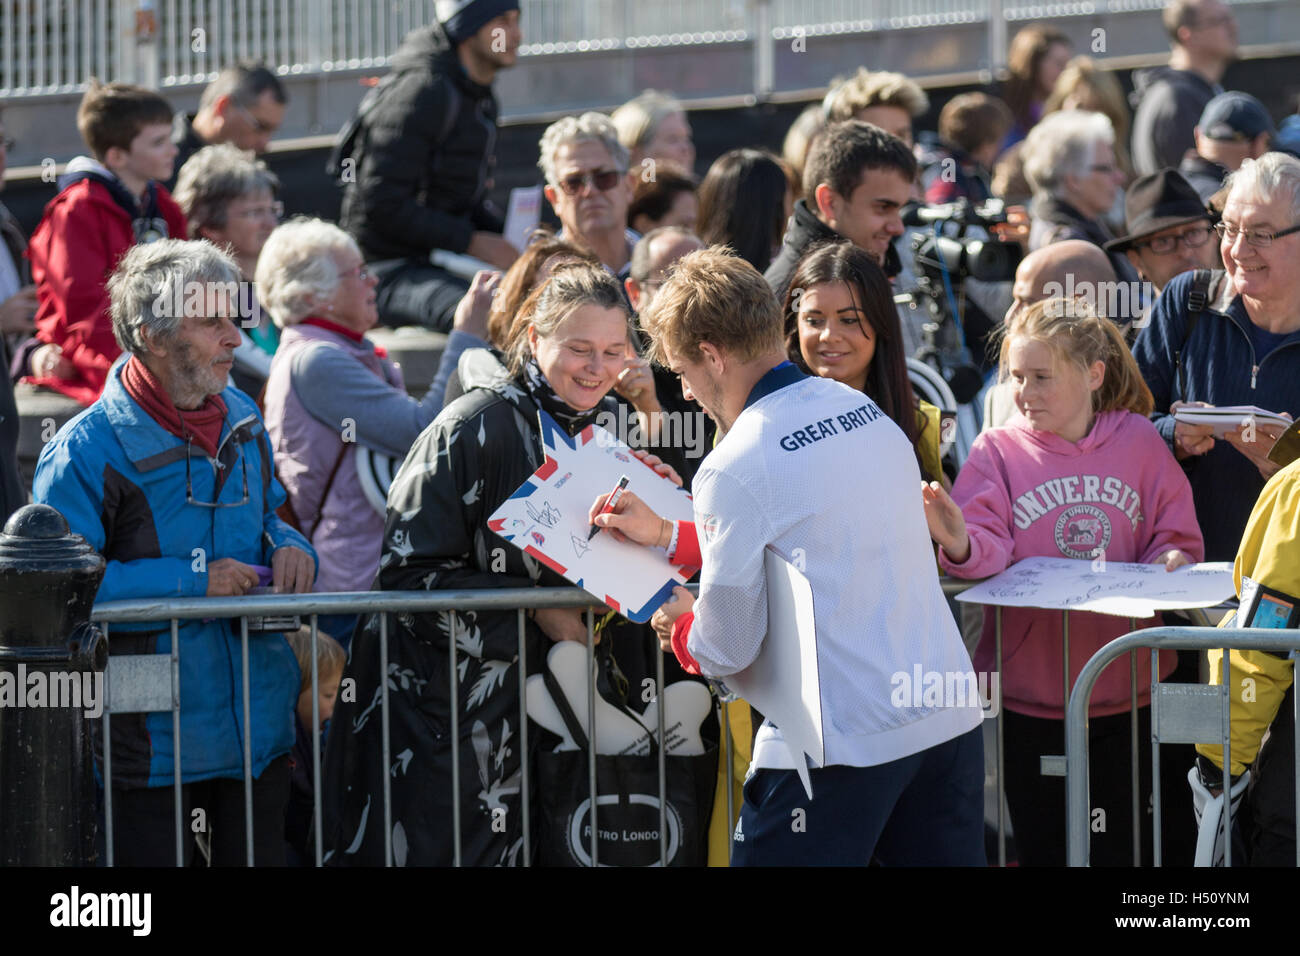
x=840 y=323
x=745 y=200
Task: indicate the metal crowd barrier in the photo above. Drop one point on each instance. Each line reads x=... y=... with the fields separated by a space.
x=1057 y=765
x=1201 y=717
x=151 y=683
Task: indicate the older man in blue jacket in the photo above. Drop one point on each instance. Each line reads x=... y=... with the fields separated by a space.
x=169 y=476
x=1232 y=338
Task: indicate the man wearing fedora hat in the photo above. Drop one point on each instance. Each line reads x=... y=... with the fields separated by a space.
x=1169 y=229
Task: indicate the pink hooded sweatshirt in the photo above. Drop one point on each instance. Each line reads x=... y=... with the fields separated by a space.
x=1027 y=493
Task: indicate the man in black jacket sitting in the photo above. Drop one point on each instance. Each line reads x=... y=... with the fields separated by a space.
x=416 y=162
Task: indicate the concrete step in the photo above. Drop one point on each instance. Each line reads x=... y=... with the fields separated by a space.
x=41 y=413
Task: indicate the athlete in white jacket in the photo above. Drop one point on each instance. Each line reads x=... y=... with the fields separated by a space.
x=814 y=469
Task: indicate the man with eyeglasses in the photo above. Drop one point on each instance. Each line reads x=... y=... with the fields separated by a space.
x=1168 y=100
x=416 y=161
x=1232 y=338
x=243 y=106
x=169 y=476
x=589 y=187
x=1169 y=229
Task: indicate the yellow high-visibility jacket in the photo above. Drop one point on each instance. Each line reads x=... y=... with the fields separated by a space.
x=1270 y=555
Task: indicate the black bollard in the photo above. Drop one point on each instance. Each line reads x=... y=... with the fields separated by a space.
x=51 y=676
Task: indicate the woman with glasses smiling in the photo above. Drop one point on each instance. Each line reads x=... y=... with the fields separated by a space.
x=1069 y=160
x=1232 y=338
x=228 y=197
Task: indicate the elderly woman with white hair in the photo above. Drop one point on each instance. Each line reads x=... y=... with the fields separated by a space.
x=654 y=126
x=332 y=398
x=1069 y=160
x=1232 y=338
x=229 y=198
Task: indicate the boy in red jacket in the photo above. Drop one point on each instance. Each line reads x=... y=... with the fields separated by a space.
x=105 y=206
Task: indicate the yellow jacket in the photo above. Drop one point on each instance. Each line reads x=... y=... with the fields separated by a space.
x=927 y=418
x=1269 y=555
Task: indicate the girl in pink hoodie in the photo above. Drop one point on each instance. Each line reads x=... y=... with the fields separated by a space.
x=1080 y=473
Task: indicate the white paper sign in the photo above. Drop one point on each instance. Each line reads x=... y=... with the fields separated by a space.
x=1229 y=418
x=523 y=213
x=784 y=682
x=1107 y=587
x=546 y=518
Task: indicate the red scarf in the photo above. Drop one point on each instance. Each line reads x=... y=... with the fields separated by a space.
x=203 y=424
x=343 y=330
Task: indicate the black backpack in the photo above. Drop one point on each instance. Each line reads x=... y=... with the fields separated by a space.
x=1198 y=297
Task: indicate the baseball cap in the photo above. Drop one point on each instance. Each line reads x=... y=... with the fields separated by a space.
x=1235 y=116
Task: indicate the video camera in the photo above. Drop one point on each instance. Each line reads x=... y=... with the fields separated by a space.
x=962 y=256
x=944 y=258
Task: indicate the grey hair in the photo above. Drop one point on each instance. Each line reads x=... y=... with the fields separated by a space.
x=216 y=176
x=295 y=272
x=1270 y=176
x=641 y=266
x=151 y=290
x=637 y=120
x=1063 y=143
x=570 y=286
x=589 y=127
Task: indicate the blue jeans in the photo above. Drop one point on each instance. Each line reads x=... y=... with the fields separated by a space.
x=926 y=809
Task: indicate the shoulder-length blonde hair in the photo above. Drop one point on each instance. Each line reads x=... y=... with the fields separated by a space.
x=1077 y=334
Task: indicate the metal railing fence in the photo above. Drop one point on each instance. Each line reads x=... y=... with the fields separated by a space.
x=151 y=683
x=54 y=46
x=1205 y=718
x=159 y=690
x=142 y=676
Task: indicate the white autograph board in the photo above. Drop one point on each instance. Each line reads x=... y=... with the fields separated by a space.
x=546 y=518
x=1121 y=589
x=784 y=682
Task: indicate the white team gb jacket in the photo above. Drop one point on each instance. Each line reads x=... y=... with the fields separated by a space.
x=815 y=469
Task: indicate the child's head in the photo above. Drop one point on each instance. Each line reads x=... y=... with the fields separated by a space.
x=976 y=123
x=128 y=129
x=1067 y=364
x=330 y=658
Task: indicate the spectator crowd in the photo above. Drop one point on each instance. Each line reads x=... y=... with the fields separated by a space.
x=232 y=411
